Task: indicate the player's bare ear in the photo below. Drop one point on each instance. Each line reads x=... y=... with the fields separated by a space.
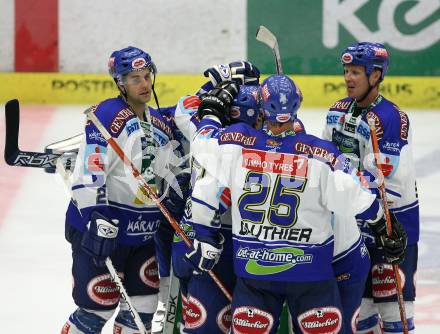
x=375 y=77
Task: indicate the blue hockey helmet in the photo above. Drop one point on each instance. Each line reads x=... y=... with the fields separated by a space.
x=127 y=60
x=281 y=98
x=247 y=104
x=369 y=55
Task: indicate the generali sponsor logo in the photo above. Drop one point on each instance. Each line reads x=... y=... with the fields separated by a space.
x=157 y=122
x=238 y=137
x=120 y=119
x=341 y=105
x=404 y=125
x=377 y=123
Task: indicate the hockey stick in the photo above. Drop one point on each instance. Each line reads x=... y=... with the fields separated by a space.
x=265 y=36
x=171 y=305
x=125 y=297
x=13 y=155
x=48 y=159
x=383 y=195
x=148 y=191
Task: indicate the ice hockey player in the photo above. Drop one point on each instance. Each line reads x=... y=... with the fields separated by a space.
x=207 y=308
x=109 y=215
x=365 y=66
x=351 y=263
x=284 y=187
x=215 y=317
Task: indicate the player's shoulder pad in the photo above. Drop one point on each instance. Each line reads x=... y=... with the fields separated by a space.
x=322 y=150
x=168 y=111
x=390 y=122
x=114 y=114
x=189 y=104
x=341 y=105
x=240 y=134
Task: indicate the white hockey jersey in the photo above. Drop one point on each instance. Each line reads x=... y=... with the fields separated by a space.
x=283 y=192
x=102 y=182
x=348 y=129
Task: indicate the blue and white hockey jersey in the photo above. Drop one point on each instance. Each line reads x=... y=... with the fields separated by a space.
x=216 y=209
x=349 y=130
x=283 y=192
x=102 y=182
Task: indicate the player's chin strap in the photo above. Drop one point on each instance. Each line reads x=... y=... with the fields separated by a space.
x=154 y=93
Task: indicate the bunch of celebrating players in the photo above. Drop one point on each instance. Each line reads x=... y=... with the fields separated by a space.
x=281 y=216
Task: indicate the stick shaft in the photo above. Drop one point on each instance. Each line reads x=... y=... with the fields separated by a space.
x=151 y=194
x=383 y=195
x=124 y=295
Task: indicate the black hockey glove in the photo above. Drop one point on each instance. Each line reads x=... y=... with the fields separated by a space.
x=241 y=72
x=394 y=246
x=218 y=102
x=100 y=240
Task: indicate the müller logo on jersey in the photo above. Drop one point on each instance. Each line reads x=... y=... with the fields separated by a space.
x=251 y=320
x=324 y=320
x=383 y=280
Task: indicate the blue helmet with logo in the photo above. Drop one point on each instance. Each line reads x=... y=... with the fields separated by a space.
x=369 y=55
x=281 y=98
x=246 y=105
x=127 y=60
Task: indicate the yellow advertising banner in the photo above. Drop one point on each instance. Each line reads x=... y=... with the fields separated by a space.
x=319 y=91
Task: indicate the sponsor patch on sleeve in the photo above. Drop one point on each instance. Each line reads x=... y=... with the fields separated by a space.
x=120 y=120
x=132 y=126
x=95 y=159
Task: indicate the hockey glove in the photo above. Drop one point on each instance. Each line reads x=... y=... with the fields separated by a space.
x=205 y=253
x=393 y=246
x=218 y=102
x=99 y=241
x=241 y=72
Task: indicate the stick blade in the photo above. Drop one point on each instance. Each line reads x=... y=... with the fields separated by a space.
x=265 y=36
x=12 y=121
